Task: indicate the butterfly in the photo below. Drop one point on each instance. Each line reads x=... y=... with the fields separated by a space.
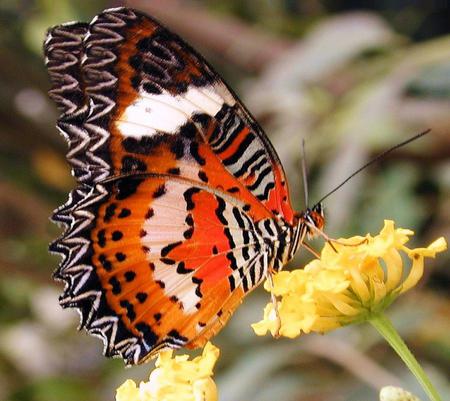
x=181 y=207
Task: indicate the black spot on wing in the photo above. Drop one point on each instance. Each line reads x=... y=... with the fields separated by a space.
x=246 y=165
x=166 y=250
x=238 y=217
x=131 y=314
x=193 y=148
x=174 y=171
x=117 y=235
x=135 y=61
x=188 y=194
x=229 y=237
x=243 y=146
x=232 y=282
x=177 y=148
x=220 y=209
x=197 y=281
x=150 y=87
x=202 y=119
x=232 y=259
x=159 y=51
x=189 y=220
x=202 y=175
x=154 y=70
x=245 y=253
x=188 y=130
x=177 y=336
x=150 y=336
x=129 y=276
x=144 y=145
x=109 y=212
x=124 y=213
x=127 y=187
x=101 y=238
x=260 y=178
x=181 y=269
x=168 y=261
x=131 y=164
x=188 y=233
x=141 y=297
x=160 y=191
x=265 y=195
x=107 y=265
x=115 y=284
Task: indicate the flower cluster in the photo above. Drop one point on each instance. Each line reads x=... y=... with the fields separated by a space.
x=176 y=379
x=353 y=281
x=360 y=278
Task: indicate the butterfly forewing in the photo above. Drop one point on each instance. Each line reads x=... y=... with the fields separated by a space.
x=179 y=192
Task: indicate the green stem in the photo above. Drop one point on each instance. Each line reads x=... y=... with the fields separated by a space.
x=387 y=330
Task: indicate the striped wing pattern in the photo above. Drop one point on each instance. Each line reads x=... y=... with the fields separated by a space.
x=182 y=206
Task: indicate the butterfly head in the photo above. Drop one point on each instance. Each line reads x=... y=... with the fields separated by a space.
x=312 y=221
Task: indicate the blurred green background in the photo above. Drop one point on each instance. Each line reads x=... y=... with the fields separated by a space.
x=352 y=78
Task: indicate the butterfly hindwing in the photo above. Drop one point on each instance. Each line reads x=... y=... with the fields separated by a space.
x=180 y=192
x=169 y=265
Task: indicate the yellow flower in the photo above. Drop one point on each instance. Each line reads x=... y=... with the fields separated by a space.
x=359 y=280
x=176 y=379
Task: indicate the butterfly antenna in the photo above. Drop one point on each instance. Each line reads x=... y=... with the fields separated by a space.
x=305 y=174
x=374 y=160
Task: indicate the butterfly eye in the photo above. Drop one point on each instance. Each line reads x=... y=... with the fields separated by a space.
x=318 y=219
x=318 y=208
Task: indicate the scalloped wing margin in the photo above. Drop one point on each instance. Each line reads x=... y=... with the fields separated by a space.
x=80 y=61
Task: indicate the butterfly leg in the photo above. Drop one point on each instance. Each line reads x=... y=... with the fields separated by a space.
x=330 y=240
x=274 y=300
x=310 y=249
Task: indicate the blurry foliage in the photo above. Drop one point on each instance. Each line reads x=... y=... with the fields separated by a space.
x=351 y=85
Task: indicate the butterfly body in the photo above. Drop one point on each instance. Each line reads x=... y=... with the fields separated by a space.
x=182 y=206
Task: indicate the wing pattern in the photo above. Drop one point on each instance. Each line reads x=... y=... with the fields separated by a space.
x=182 y=206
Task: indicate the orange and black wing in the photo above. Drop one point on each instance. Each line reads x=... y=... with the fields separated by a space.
x=177 y=183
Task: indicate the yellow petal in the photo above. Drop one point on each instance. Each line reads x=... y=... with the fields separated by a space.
x=324 y=324
x=440 y=245
x=430 y=251
x=378 y=289
x=267 y=323
x=164 y=357
x=208 y=359
x=205 y=389
x=127 y=391
x=359 y=286
x=394 y=269
x=339 y=302
x=415 y=273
